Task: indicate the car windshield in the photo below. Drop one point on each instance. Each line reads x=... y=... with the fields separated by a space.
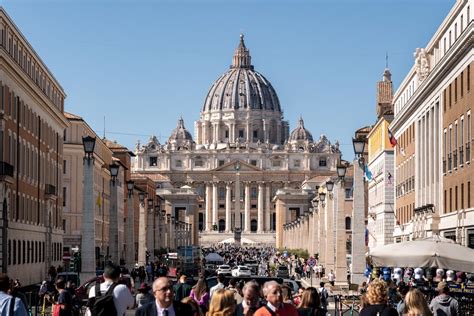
x=244 y=268
x=282 y=268
x=224 y=267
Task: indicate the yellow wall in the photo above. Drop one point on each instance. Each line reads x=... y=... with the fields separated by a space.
x=378 y=139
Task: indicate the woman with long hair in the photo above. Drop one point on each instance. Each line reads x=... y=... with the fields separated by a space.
x=194 y=306
x=377 y=300
x=415 y=304
x=310 y=304
x=200 y=294
x=222 y=303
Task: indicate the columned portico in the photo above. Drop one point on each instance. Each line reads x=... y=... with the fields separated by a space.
x=268 y=208
x=208 y=208
x=214 y=203
x=228 y=205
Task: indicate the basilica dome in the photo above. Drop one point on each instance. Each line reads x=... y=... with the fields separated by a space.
x=180 y=137
x=300 y=133
x=241 y=87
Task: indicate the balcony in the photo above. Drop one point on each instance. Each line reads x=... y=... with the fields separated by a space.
x=6 y=172
x=461 y=155
x=468 y=152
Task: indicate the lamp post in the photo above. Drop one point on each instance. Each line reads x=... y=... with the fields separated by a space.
x=88 y=259
x=113 y=217
x=142 y=230
x=130 y=235
x=358 y=214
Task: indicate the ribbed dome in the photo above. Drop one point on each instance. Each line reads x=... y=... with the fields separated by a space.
x=300 y=133
x=242 y=87
x=180 y=133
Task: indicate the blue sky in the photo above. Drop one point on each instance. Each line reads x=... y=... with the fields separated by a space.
x=142 y=64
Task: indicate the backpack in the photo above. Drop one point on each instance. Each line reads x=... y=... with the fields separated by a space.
x=102 y=305
x=324 y=297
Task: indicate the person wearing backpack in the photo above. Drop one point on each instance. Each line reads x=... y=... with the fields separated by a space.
x=109 y=298
x=324 y=296
x=9 y=305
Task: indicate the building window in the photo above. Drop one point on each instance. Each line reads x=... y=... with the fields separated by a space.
x=253 y=193
x=255 y=134
x=462 y=196
x=276 y=163
x=456 y=198
x=468 y=78
x=221 y=193
x=450 y=235
x=64 y=195
x=455 y=90
x=322 y=162
x=348 y=193
x=153 y=161
x=241 y=133
x=469 y=194
x=198 y=162
x=221 y=162
x=348 y=223
x=179 y=163
x=226 y=133
x=462 y=84
x=253 y=162
x=297 y=163
x=450 y=199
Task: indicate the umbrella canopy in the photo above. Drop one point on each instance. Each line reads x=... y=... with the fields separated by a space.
x=432 y=252
x=214 y=257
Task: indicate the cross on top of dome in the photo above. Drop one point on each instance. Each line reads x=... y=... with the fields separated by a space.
x=242 y=58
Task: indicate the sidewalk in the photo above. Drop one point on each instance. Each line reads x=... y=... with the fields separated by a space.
x=315 y=283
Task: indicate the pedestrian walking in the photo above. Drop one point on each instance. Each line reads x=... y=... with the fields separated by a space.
x=323 y=295
x=219 y=285
x=444 y=304
x=331 y=278
x=200 y=294
x=181 y=289
x=415 y=304
x=9 y=305
x=63 y=303
x=377 y=300
x=251 y=300
x=144 y=296
x=310 y=304
x=222 y=303
x=275 y=306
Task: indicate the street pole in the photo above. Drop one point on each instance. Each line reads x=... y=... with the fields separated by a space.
x=130 y=241
x=142 y=231
x=113 y=217
x=358 y=227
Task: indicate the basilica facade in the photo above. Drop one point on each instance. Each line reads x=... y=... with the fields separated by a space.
x=242 y=153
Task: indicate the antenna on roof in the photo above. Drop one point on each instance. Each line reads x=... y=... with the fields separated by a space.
x=104 y=126
x=386 y=59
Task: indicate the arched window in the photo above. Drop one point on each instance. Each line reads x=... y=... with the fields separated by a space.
x=221 y=225
x=253 y=225
x=348 y=223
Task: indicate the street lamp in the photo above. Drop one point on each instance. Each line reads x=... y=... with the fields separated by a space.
x=88 y=258
x=130 y=185
x=113 y=220
x=114 y=170
x=141 y=197
x=322 y=197
x=89 y=143
x=341 y=171
x=359 y=146
x=329 y=185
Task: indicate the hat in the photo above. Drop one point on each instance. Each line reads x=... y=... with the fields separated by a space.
x=442 y=286
x=144 y=287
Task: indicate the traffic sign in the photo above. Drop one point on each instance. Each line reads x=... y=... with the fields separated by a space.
x=311 y=262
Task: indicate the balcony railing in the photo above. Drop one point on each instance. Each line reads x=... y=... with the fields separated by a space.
x=50 y=189
x=468 y=152
x=6 y=169
x=461 y=155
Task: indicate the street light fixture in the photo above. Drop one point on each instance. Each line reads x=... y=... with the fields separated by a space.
x=130 y=185
x=141 y=196
x=341 y=171
x=329 y=185
x=359 y=146
x=150 y=203
x=89 y=143
x=114 y=170
x=322 y=197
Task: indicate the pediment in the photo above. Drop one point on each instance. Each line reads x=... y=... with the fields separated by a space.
x=237 y=165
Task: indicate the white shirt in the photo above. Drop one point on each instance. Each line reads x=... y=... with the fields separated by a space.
x=160 y=310
x=123 y=299
x=216 y=287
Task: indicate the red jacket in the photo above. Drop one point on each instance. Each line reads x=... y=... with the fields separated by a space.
x=287 y=310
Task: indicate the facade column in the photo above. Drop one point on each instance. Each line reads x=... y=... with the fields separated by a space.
x=214 y=204
x=260 y=208
x=249 y=132
x=204 y=133
x=88 y=263
x=322 y=235
x=208 y=207
x=329 y=211
x=265 y=130
x=228 y=207
x=358 y=227
x=130 y=236
x=238 y=223
x=149 y=230
x=142 y=235
x=247 y=207
x=268 y=208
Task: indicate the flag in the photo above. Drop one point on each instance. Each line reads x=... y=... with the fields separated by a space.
x=389 y=178
x=99 y=201
x=402 y=152
x=368 y=174
x=392 y=139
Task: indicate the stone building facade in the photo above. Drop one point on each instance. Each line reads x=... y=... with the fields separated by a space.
x=241 y=155
x=31 y=159
x=432 y=113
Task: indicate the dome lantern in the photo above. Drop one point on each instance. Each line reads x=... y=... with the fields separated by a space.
x=241 y=57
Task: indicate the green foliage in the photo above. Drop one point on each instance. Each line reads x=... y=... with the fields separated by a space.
x=300 y=253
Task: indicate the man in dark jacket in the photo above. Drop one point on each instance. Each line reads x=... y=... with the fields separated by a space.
x=181 y=289
x=164 y=304
x=443 y=304
x=251 y=299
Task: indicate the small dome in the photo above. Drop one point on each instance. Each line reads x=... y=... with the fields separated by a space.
x=300 y=133
x=180 y=133
x=241 y=87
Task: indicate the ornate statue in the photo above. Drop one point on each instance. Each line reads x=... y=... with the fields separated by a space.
x=422 y=65
x=137 y=146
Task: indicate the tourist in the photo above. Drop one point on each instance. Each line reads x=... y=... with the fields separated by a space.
x=377 y=300
x=200 y=295
x=444 y=304
x=194 y=306
x=144 y=296
x=251 y=300
x=275 y=306
x=222 y=303
x=310 y=303
x=415 y=304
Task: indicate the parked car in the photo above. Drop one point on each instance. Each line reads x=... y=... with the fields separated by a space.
x=292 y=284
x=282 y=272
x=240 y=271
x=224 y=269
x=260 y=280
x=70 y=276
